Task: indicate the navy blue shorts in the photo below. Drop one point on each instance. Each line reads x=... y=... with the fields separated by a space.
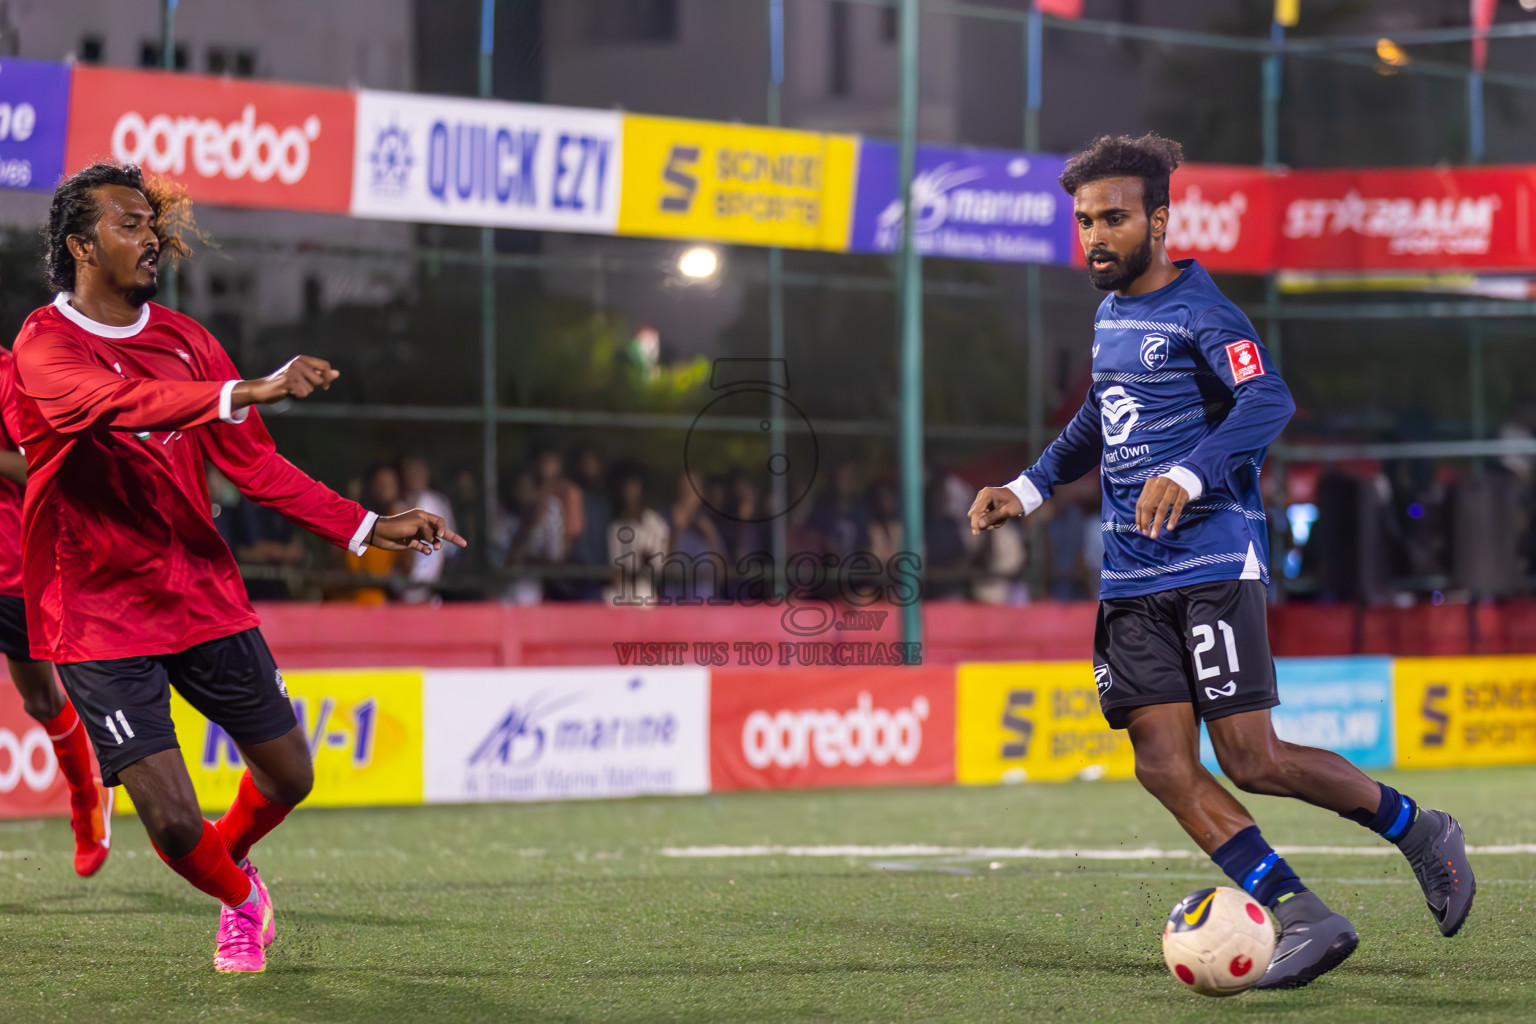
x=125 y=703
x=13 y=629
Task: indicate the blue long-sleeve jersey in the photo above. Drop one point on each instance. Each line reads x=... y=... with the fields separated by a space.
x=1182 y=387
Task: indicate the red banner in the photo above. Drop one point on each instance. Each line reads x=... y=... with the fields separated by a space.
x=1456 y=218
x=777 y=728
x=31 y=785
x=230 y=141
x=1223 y=215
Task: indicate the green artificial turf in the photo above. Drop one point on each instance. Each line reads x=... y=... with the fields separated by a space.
x=571 y=912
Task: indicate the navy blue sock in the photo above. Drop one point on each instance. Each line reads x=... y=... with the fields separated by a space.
x=1254 y=865
x=1392 y=816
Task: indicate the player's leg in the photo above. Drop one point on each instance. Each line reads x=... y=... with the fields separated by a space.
x=1142 y=666
x=235 y=683
x=90 y=803
x=125 y=705
x=1237 y=689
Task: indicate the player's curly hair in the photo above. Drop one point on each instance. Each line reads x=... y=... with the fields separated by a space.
x=1151 y=158
x=75 y=211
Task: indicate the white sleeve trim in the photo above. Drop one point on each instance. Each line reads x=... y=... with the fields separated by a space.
x=1186 y=478
x=360 y=538
x=227 y=400
x=1027 y=492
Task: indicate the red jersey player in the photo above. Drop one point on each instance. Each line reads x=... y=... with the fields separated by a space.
x=129 y=588
x=90 y=802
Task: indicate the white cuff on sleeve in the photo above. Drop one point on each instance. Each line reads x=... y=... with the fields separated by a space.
x=226 y=400
x=1186 y=479
x=360 y=538
x=1027 y=492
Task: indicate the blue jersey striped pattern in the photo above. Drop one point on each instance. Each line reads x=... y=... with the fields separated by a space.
x=1175 y=393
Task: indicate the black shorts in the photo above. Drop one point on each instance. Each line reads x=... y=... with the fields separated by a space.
x=125 y=703
x=13 y=629
x=1206 y=645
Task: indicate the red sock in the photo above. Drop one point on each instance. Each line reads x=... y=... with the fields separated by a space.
x=73 y=751
x=210 y=869
x=249 y=818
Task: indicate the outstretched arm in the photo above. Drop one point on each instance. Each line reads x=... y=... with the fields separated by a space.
x=1075 y=451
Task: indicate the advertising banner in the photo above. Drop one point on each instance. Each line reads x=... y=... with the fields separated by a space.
x=231 y=141
x=513 y=165
x=1465 y=711
x=1224 y=216
x=565 y=733
x=1036 y=722
x=1449 y=218
x=1339 y=704
x=779 y=728
x=733 y=183
x=31 y=785
x=364 y=730
x=34 y=107
x=973 y=204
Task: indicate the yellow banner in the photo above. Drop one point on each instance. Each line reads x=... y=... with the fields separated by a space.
x=1035 y=722
x=364 y=729
x=1465 y=711
x=734 y=183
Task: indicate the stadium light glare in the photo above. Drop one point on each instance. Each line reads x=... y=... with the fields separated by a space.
x=698 y=263
x=1528 y=5
x=1390 y=53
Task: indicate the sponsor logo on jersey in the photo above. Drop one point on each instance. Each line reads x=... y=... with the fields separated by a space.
x=1102 y=678
x=1119 y=412
x=1218 y=692
x=1154 y=351
x=1243 y=358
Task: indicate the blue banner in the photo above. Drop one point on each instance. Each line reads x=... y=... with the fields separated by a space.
x=974 y=204
x=1340 y=704
x=34 y=105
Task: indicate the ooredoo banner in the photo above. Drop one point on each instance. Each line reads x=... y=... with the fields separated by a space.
x=31 y=785
x=514 y=165
x=975 y=204
x=1224 y=216
x=1464 y=217
x=34 y=105
x=799 y=728
x=565 y=733
x=230 y=141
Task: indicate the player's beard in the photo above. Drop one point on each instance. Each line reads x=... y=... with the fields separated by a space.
x=141 y=294
x=1122 y=272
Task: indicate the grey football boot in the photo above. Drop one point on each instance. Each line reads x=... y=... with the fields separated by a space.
x=1313 y=941
x=1437 y=851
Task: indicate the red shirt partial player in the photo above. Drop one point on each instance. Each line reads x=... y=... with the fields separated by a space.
x=10 y=490
x=122 y=556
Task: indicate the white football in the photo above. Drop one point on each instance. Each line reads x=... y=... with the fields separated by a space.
x=1218 y=942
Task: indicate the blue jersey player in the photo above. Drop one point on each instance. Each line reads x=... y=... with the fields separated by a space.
x=1184 y=403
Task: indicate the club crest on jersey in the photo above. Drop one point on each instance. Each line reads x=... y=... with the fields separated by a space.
x=1119 y=412
x=1154 y=351
x=1102 y=678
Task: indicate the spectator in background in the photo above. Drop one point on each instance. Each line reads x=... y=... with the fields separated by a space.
x=884 y=522
x=638 y=538
x=564 y=503
x=841 y=516
x=1064 y=533
x=590 y=548
x=381 y=488
x=469 y=510
x=944 y=536
x=695 y=536
x=524 y=535
x=424 y=572
x=259 y=537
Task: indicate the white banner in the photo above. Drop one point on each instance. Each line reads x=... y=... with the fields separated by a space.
x=512 y=165
x=564 y=733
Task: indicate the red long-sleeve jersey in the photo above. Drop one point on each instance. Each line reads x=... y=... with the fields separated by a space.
x=121 y=557
x=10 y=492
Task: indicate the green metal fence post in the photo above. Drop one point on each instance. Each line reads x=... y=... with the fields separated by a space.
x=488 y=389
x=170 y=287
x=910 y=297
x=778 y=439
